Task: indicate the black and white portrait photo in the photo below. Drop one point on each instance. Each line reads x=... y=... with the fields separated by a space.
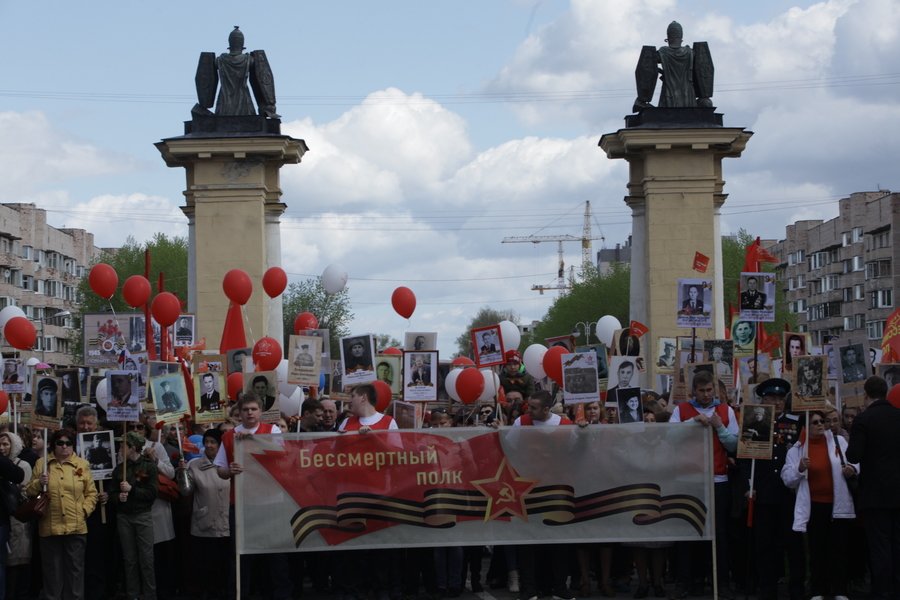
x=694 y=303
x=420 y=340
x=853 y=363
x=184 y=330
x=98 y=449
x=358 y=359
x=629 y=402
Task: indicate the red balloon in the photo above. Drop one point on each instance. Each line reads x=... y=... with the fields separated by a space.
x=893 y=395
x=235 y=385
x=104 y=280
x=4 y=402
x=392 y=350
x=237 y=286
x=463 y=361
x=304 y=321
x=469 y=385
x=553 y=363
x=404 y=302
x=136 y=291
x=165 y=308
x=20 y=333
x=274 y=281
x=382 y=395
x=267 y=354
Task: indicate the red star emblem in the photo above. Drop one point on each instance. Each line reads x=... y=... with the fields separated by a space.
x=505 y=492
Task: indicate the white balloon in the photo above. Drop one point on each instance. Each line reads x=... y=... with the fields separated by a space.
x=102 y=391
x=334 y=278
x=509 y=333
x=491 y=384
x=606 y=327
x=450 y=383
x=8 y=313
x=31 y=362
x=534 y=360
x=281 y=371
x=290 y=399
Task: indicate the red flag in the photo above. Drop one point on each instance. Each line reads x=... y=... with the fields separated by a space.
x=756 y=254
x=701 y=262
x=732 y=313
x=638 y=329
x=765 y=342
x=233 y=335
x=890 y=340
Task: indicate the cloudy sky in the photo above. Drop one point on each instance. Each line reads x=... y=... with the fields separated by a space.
x=438 y=128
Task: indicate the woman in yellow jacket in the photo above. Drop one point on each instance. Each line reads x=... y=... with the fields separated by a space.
x=63 y=528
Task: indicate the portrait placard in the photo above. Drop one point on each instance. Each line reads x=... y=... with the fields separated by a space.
x=628 y=401
x=419 y=341
x=170 y=397
x=743 y=333
x=580 y=378
x=810 y=383
x=387 y=369
x=757 y=297
x=185 y=327
x=626 y=343
x=240 y=360
x=721 y=354
x=624 y=372
x=487 y=346
x=665 y=355
x=304 y=360
x=99 y=450
x=794 y=343
x=13 y=375
x=757 y=425
x=209 y=397
x=265 y=385
x=123 y=402
x=890 y=372
x=47 y=407
x=357 y=354
x=325 y=336
x=694 y=303
x=420 y=376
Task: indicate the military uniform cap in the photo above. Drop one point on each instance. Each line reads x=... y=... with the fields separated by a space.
x=773 y=387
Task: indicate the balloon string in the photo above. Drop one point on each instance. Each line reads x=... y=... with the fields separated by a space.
x=249 y=327
x=116 y=319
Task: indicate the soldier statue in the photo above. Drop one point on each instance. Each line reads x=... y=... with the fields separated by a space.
x=686 y=73
x=230 y=72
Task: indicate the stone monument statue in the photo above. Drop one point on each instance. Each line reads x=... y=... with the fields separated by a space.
x=686 y=73
x=230 y=72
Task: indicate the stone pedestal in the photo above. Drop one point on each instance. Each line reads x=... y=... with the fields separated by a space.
x=675 y=191
x=233 y=205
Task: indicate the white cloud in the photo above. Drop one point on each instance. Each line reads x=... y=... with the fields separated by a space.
x=113 y=217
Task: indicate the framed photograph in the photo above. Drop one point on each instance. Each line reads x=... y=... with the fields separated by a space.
x=721 y=354
x=626 y=343
x=665 y=355
x=387 y=369
x=47 y=407
x=757 y=297
x=170 y=396
x=404 y=414
x=304 y=360
x=794 y=344
x=418 y=341
x=874 y=358
x=694 y=303
x=628 y=401
x=106 y=336
x=580 y=378
x=325 y=336
x=123 y=402
x=13 y=375
x=185 y=330
x=624 y=372
x=810 y=390
x=239 y=360
x=890 y=372
x=742 y=334
x=420 y=376
x=138 y=363
x=265 y=385
x=762 y=364
x=212 y=363
x=757 y=425
x=209 y=397
x=357 y=358
x=853 y=363
x=98 y=448
x=488 y=346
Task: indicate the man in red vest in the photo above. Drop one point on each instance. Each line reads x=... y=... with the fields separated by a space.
x=363 y=416
x=228 y=468
x=706 y=410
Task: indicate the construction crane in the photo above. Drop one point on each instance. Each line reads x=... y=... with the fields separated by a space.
x=585 y=240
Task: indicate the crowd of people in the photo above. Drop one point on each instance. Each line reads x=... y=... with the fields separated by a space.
x=826 y=509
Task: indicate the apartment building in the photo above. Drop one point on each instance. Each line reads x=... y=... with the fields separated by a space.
x=838 y=274
x=40 y=267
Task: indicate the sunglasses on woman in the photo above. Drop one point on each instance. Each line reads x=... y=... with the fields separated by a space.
x=62 y=443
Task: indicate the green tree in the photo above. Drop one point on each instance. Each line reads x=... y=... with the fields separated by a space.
x=485 y=316
x=588 y=300
x=331 y=310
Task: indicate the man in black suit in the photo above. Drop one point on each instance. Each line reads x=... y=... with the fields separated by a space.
x=752 y=298
x=873 y=444
x=421 y=374
x=209 y=395
x=487 y=346
x=694 y=303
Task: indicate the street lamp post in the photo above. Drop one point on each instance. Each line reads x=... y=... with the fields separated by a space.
x=585 y=328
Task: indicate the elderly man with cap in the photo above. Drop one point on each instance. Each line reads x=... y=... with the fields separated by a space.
x=513 y=376
x=774 y=502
